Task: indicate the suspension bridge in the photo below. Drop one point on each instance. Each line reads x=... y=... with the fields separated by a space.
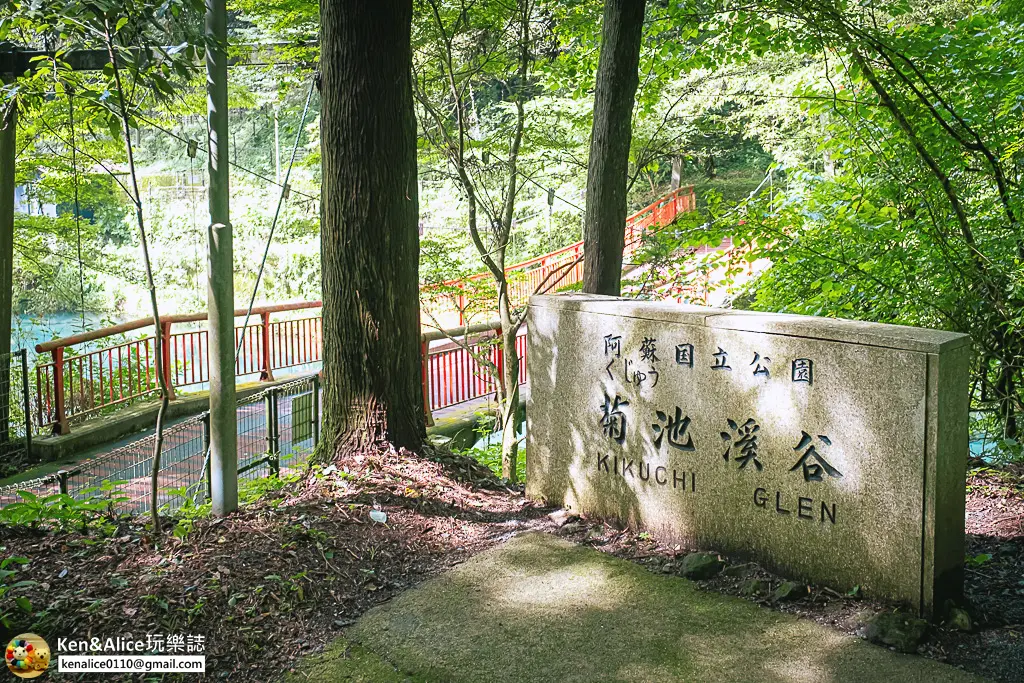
x=85 y=376
x=96 y=372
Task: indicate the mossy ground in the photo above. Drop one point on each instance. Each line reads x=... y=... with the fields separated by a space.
x=540 y=609
x=344 y=662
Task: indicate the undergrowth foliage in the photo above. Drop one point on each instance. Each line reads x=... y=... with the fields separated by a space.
x=95 y=510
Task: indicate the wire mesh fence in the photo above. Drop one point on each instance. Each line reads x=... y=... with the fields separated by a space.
x=15 y=413
x=278 y=429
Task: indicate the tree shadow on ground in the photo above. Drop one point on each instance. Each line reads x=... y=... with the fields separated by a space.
x=538 y=609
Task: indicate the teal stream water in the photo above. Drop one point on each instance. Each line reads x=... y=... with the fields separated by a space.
x=27 y=331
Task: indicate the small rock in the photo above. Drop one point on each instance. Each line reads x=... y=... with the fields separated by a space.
x=570 y=528
x=790 y=590
x=562 y=517
x=701 y=566
x=736 y=570
x=754 y=587
x=899 y=631
x=858 y=620
x=958 y=619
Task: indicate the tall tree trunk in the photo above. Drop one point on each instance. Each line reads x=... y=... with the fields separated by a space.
x=8 y=157
x=510 y=421
x=614 y=94
x=369 y=238
x=136 y=196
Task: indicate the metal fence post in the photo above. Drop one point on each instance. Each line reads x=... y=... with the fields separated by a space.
x=165 y=357
x=267 y=371
x=425 y=354
x=25 y=400
x=62 y=481
x=500 y=360
x=60 y=423
x=206 y=455
x=316 y=410
x=273 y=434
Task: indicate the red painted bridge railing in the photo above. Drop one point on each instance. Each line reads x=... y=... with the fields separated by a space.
x=452 y=374
x=74 y=385
x=564 y=267
x=659 y=213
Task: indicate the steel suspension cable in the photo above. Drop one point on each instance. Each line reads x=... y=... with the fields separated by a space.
x=78 y=210
x=277 y=214
x=203 y=149
x=266 y=251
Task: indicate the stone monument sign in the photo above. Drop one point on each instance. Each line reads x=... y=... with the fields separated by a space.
x=831 y=450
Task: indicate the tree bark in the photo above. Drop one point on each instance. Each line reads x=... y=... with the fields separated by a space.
x=369 y=237
x=610 y=137
x=8 y=155
x=510 y=422
x=158 y=337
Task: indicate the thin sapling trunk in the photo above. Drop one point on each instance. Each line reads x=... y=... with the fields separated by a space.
x=136 y=198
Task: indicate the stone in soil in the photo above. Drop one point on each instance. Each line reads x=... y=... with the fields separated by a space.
x=789 y=590
x=700 y=566
x=737 y=570
x=562 y=517
x=958 y=619
x=899 y=631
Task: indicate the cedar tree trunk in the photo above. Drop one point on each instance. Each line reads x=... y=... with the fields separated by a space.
x=369 y=237
x=8 y=156
x=614 y=94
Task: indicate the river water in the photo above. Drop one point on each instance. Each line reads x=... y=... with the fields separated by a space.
x=27 y=331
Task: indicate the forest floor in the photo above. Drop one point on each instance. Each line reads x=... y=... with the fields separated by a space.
x=993 y=585
x=285 y=575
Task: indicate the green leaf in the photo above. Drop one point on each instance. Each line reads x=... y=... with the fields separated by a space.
x=15 y=559
x=978 y=560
